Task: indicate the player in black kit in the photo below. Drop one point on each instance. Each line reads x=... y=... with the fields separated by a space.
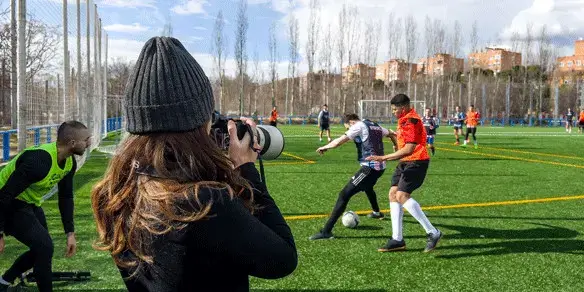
x=430 y=123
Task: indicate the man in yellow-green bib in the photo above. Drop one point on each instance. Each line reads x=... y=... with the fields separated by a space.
x=25 y=183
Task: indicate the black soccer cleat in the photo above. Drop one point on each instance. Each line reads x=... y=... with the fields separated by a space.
x=393 y=245
x=432 y=241
x=375 y=215
x=322 y=235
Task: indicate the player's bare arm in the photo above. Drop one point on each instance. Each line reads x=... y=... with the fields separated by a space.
x=333 y=144
x=401 y=153
x=393 y=136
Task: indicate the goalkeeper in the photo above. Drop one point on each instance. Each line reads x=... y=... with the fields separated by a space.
x=25 y=183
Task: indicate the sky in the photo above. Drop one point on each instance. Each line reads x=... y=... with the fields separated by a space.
x=130 y=23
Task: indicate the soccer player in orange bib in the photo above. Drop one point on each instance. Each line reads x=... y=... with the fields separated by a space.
x=472 y=121
x=408 y=176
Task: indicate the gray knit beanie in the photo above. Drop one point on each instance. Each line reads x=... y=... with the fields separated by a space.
x=167 y=91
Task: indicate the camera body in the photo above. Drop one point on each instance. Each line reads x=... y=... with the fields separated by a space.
x=269 y=138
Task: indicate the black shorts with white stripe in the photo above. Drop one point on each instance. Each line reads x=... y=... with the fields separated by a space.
x=365 y=178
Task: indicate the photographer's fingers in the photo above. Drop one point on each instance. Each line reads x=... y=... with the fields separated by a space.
x=232 y=129
x=253 y=125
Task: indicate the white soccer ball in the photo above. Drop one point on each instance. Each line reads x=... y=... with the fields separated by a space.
x=350 y=219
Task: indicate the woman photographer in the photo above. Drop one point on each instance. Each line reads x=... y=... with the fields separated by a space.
x=173 y=210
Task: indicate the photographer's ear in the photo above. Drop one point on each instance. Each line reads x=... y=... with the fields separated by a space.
x=208 y=127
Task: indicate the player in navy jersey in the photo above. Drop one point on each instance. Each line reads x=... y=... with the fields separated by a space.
x=324 y=122
x=430 y=123
x=457 y=120
x=368 y=137
x=569 y=120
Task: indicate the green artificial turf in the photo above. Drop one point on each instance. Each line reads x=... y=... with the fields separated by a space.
x=533 y=246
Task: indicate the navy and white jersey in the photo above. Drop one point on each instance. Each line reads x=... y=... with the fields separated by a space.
x=458 y=119
x=430 y=124
x=323 y=117
x=368 y=137
x=570 y=115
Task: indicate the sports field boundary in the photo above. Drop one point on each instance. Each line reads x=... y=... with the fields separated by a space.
x=457 y=206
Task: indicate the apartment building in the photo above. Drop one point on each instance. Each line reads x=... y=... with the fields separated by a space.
x=495 y=59
x=395 y=70
x=358 y=73
x=440 y=65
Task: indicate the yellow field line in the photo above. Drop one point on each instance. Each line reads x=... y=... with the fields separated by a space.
x=512 y=158
x=525 y=152
x=302 y=160
x=289 y=163
x=458 y=206
x=297 y=157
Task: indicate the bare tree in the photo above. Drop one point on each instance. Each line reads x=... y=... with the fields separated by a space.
x=353 y=37
x=240 y=49
x=341 y=53
x=293 y=57
x=429 y=37
x=394 y=30
x=527 y=48
x=273 y=61
x=219 y=48
x=119 y=71
x=255 y=81
x=544 y=54
x=455 y=44
x=474 y=39
x=326 y=51
x=312 y=46
x=411 y=42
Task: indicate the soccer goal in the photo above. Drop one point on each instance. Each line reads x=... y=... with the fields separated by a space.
x=378 y=110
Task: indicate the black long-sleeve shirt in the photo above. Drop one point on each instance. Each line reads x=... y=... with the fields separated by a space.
x=31 y=167
x=221 y=252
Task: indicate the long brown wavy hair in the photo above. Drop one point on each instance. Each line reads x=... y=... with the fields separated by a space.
x=131 y=208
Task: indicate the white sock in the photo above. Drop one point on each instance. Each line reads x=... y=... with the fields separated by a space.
x=3 y=282
x=414 y=209
x=397 y=216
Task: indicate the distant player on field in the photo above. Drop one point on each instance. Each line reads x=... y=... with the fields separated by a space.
x=324 y=122
x=569 y=120
x=408 y=176
x=274 y=117
x=368 y=137
x=430 y=125
x=472 y=121
x=457 y=120
x=581 y=122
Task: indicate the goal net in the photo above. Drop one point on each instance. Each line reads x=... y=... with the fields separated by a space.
x=380 y=110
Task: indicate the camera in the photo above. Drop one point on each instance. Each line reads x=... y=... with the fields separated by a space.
x=269 y=138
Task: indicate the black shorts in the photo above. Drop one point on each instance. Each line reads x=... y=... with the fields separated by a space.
x=458 y=127
x=273 y=123
x=581 y=124
x=324 y=127
x=365 y=178
x=410 y=175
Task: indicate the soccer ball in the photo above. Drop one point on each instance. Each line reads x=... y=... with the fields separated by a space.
x=350 y=219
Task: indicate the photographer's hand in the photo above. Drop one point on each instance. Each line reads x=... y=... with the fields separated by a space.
x=239 y=150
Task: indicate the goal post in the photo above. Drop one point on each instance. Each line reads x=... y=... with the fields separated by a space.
x=379 y=110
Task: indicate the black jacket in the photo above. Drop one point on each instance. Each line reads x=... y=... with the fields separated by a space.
x=221 y=252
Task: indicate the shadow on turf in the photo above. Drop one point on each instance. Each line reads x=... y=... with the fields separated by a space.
x=319 y=290
x=468 y=232
x=510 y=218
x=574 y=247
